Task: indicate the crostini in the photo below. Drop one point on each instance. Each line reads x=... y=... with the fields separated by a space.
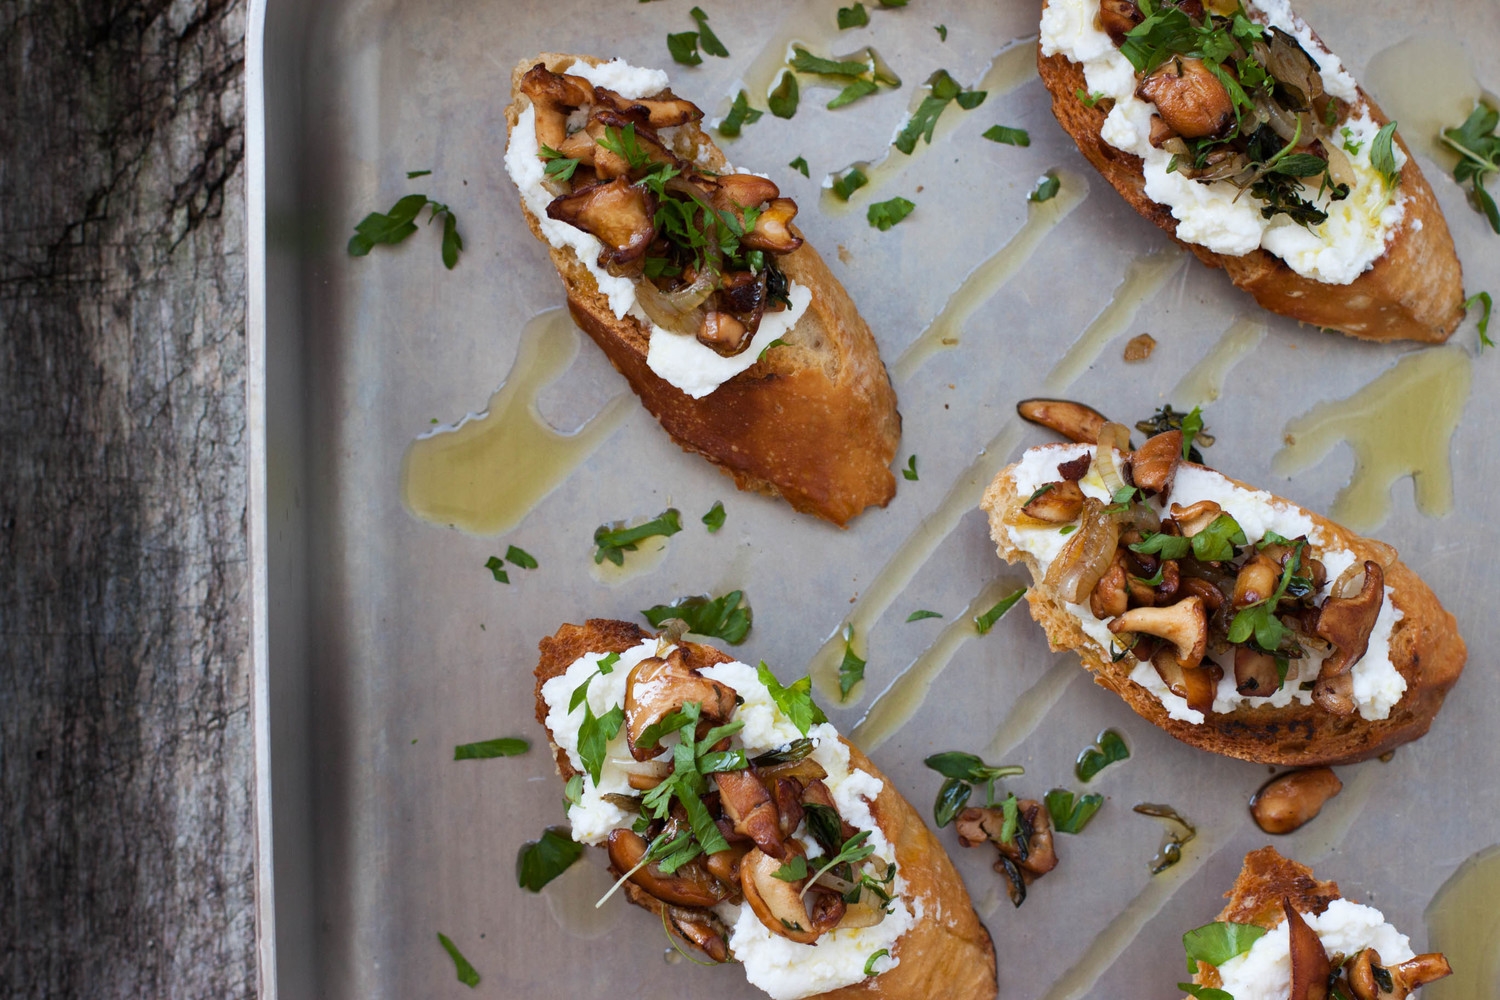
x=693 y=279
x=1237 y=131
x=1235 y=620
x=1285 y=935
x=724 y=800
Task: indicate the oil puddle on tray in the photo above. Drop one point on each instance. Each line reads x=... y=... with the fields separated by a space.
x=1464 y=924
x=571 y=898
x=1399 y=425
x=487 y=472
x=1427 y=84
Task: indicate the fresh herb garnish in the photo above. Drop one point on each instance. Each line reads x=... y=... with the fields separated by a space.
x=1259 y=619
x=783 y=99
x=853 y=17
x=1482 y=299
x=910 y=472
x=849 y=182
x=496 y=565
x=740 y=114
x=942 y=30
x=858 y=78
x=520 y=557
x=714 y=519
x=612 y=543
x=778 y=342
x=1192 y=424
x=804 y=61
x=1089 y=100
x=1215 y=543
x=1109 y=749
x=541 y=861
x=1069 y=816
x=1046 y=188
x=800 y=164
x=1383 y=155
x=1478 y=147
x=1218 y=942
x=794 y=870
x=414 y=174
x=1067 y=529
x=466 y=972
x=683 y=45
x=1007 y=135
x=795 y=701
x=400 y=222
x=963 y=770
x=559 y=167
x=594 y=735
x=728 y=617
x=851 y=667
x=942 y=89
x=855 y=850
x=870 y=962
x=485 y=749
x=917 y=616
x=883 y=215
x=983 y=623
x=1204 y=992
x=707 y=40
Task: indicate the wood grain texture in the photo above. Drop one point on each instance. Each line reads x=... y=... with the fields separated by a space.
x=126 y=782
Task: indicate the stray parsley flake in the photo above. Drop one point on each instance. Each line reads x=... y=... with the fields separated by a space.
x=1089 y=100
x=707 y=40
x=851 y=667
x=870 y=962
x=783 y=99
x=942 y=89
x=520 y=557
x=1069 y=816
x=497 y=566
x=740 y=114
x=983 y=623
x=400 y=222
x=849 y=182
x=612 y=543
x=910 y=472
x=414 y=174
x=726 y=617
x=683 y=46
x=1046 y=188
x=917 y=616
x=794 y=870
x=1383 y=156
x=486 y=749
x=795 y=702
x=1007 y=135
x=466 y=972
x=1109 y=748
x=541 y=861
x=800 y=163
x=714 y=519
x=963 y=771
x=1482 y=299
x=1478 y=148
x=942 y=30
x=883 y=215
x=853 y=17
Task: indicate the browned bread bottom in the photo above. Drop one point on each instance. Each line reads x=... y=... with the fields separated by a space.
x=947 y=953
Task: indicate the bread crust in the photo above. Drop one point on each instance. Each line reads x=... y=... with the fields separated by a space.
x=813 y=422
x=1425 y=648
x=1414 y=291
x=947 y=952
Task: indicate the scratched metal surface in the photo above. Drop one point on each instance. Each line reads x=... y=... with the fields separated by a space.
x=390 y=643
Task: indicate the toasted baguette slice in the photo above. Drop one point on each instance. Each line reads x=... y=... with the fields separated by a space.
x=814 y=421
x=947 y=952
x=1266 y=881
x=1425 y=648
x=1413 y=292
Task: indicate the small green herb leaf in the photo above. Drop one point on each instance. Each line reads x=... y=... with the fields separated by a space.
x=1046 y=188
x=917 y=616
x=795 y=702
x=853 y=92
x=497 y=566
x=877 y=956
x=573 y=790
x=1109 y=749
x=794 y=870
x=883 y=215
x=951 y=799
x=466 y=973
x=849 y=182
x=986 y=621
x=392 y=227
x=804 y=61
x=800 y=164
x=683 y=46
x=485 y=749
x=707 y=40
x=851 y=667
x=1482 y=299
x=1088 y=100
x=783 y=100
x=1205 y=992
x=910 y=472
x=1218 y=942
x=728 y=617
x=714 y=519
x=594 y=735
x=1192 y=425
x=413 y=174
x=1069 y=816
x=942 y=30
x=853 y=17
x=612 y=543
x=1007 y=135
x=740 y=115
x=520 y=557
x=941 y=89
x=1383 y=156
x=541 y=861
x=968 y=767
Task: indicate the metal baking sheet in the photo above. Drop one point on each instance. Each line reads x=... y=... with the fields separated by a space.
x=387 y=641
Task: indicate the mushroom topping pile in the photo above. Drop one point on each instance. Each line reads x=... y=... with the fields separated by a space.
x=1316 y=975
x=1237 y=101
x=1180 y=586
x=702 y=248
x=1024 y=840
x=719 y=823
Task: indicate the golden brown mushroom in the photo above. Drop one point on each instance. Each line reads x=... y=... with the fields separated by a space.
x=690 y=885
x=1189 y=98
x=737 y=192
x=658 y=687
x=1372 y=981
x=1255 y=673
x=1288 y=801
x=1310 y=965
x=1183 y=625
x=752 y=810
x=1031 y=848
x=554 y=96
x=1055 y=503
x=1256 y=581
x=1195 y=517
x=1154 y=464
x=1348 y=621
x=778 y=904
x=1117 y=17
x=772 y=232
x=723 y=334
x=700 y=927
x=619 y=214
x=1335 y=694
x=1073 y=421
x=1111 y=597
x=661 y=110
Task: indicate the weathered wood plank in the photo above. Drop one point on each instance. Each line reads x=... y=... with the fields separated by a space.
x=126 y=810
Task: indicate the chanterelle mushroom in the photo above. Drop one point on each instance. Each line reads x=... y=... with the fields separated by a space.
x=1189 y=98
x=658 y=687
x=663 y=110
x=1154 y=464
x=1372 y=981
x=1348 y=621
x=1183 y=624
x=619 y=214
x=750 y=807
x=554 y=95
x=778 y=904
x=690 y=885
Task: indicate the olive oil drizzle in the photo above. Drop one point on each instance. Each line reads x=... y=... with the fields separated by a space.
x=1399 y=425
x=1204 y=382
x=895 y=706
x=570 y=900
x=1029 y=709
x=1144 y=278
x=1012 y=67
x=486 y=473
x=1427 y=84
x=1464 y=924
x=946 y=329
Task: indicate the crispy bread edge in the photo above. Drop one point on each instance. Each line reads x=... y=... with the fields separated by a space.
x=814 y=422
x=1413 y=292
x=947 y=953
x=1425 y=647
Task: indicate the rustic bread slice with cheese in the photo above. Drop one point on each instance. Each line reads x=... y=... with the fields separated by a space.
x=1335 y=941
x=945 y=951
x=1414 y=291
x=1422 y=645
x=813 y=420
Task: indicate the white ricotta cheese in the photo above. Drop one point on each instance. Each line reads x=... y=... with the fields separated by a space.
x=784 y=969
x=1265 y=971
x=1218 y=216
x=1378 y=685
x=678 y=359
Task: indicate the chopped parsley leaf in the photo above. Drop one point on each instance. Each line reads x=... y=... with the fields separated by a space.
x=707 y=40
x=413 y=174
x=795 y=702
x=848 y=183
x=497 y=566
x=1383 y=156
x=740 y=114
x=466 y=972
x=612 y=543
x=882 y=215
x=400 y=222
x=800 y=163
x=541 y=861
x=728 y=617
x=1007 y=135
x=983 y=623
x=877 y=956
x=1046 y=188
x=942 y=30
x=714 y=519
x=1218 y=942
x=853 y=17
x=910 y=472
x=1069 y=816
x=917 y=616
x=783 y=99
x=1482 y=299
x=851 y=667
x=520 y=557
x=486 y=749
x=683 y=45
x=1109 y=749
x=942 y=89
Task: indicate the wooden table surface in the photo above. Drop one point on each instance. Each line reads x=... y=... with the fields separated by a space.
x=126 y=763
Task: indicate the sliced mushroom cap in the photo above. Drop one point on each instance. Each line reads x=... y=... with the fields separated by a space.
x=723 y=334
x=1183 y=624
x=703 y=929
x=690 y=885
x=1031 y=849
x=1256 y=581
x=737 y=192
x=1288 y=801
x=1073 y=421
x=866 y=912
x=772 y=232
x=1055 y=503
x=1348 y=621
x=1154 y=464
x=1161 y=134
x=553 y=96
x=1310 y=965
x=725 y=865
x=606 y=125
x=776 y=903
x=827 y=910
x=1255 y=673
x=752 y=810
x=1195 y=516
x=1335 y=694
x=743 y=295
x=620 y=215
x=1189 y=98
x=1111 y=596
x=662 y=110
x=789 y=810
x=1117 y=17
x=658 y=687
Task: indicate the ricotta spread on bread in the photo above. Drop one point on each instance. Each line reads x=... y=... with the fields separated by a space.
x=1265 y=971
x=1218 y=215
x=785 y=969
x=678 y=359
x=1377 y=684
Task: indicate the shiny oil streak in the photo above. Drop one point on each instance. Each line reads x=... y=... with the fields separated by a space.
x=1426 y=84
x=571 y=898
x=946 y=329
x=1399 y=425
x=1205 y=381
x=490 y=470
